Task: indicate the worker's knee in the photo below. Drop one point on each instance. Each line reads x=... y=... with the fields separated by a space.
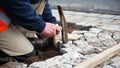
x=4 y=58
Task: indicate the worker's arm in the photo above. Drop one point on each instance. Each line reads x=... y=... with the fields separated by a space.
x=47 y=14
x=23 y=14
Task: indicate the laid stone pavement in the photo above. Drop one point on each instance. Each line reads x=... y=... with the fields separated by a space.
x=105 y=33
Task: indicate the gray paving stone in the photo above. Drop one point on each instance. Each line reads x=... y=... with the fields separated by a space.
x=106 y=16
x=89 y=50
x=72 y=13
x=82 y=23
x=107 y=66
x=93 y=15
x=72 y=58
x=41 y=64
x=81 y=44
x=117 y=17
x=110 y=27
x=104 y=21
x=116 y=59
x=116 y=64
x=88 y=56
x=92 y=39
x=106 y=39
x=78 y=32
x=65 y=65
x=75 y=18
x=54 y=61
x=81 y=13
x=95 y=30
x=116 y=36
x=108 y=62
x=89 y=19
x=115 y=22
x=71 y=48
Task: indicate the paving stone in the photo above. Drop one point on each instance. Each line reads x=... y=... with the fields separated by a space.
x=54 y=61
x=116 y=36
x=116 y=22
x=101 y=48
x=92 y=39
x=116 y=64
x=106 y=16
x=85 y=47
x=110 y=27
x=108 y=62
x=54 y=11
x=93 y=23
x=98 y=22
x=117 y=17
x=81 y=13
x=88 y=56
x=75 y=19
x=81 y=44
x=89 y=50
x=116 y=59
x=69 y=43
x=89 y=19
x=72 y=58
x=72 y=13
x=65 y=65
x=104 y=21
x=41 y=64
x=12 y=64
x=106 y=39
x=93 y=14
x=82 y=23
x=71 y=48
x=95 y=30
x=107 y=66
x=69 y=18
x=79 y=32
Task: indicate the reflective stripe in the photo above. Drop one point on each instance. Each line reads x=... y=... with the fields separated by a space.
x=4 y=21
x=4 y=18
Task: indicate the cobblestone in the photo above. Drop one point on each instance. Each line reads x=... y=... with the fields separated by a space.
x=108 y=66
x=106 y=16
x=104 y=33
x=117 y=17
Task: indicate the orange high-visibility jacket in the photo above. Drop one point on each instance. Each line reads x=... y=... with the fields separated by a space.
x=4 y=20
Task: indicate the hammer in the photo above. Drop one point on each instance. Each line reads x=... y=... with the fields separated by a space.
x=63 y=34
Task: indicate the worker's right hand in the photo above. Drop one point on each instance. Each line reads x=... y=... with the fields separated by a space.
x=50 y=30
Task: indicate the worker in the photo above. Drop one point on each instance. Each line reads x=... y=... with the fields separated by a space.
x=12 y=42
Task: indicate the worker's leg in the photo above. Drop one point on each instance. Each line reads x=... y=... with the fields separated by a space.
x=14 y=44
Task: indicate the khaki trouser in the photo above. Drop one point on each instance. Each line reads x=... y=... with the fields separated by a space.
x=13 y=43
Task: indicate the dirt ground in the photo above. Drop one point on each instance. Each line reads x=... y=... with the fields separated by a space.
x=40 y=56
x=43 y=55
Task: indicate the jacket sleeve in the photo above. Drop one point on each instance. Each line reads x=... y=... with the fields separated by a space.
x=21 y=12
x=47 y=14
